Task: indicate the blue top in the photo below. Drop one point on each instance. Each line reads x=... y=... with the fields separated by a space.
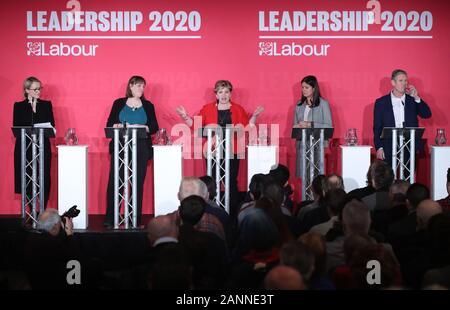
x=133 y=117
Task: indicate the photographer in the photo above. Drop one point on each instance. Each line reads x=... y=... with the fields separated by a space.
x=48 y=250
x=50 y=222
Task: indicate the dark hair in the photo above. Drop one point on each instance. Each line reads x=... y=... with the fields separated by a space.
x=417 y=193
x=280 y=173
x=211 y=185
x=399 y=187
x=276 y=215
x=336 y=199
x=191 y=209
x=369 y=176
x=275 y=193
x=317 y=184
x=135 y=79
x=382 y=174
x=448 y=175
x=397 y=72
x=257 y=232
x=311 y=80
x=398 y=199
x=256 y=185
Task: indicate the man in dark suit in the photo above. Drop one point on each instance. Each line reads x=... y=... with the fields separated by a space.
x=399 y=108
x=402 y=230
x=168 y=266
x=49 y=249
x=207 y=252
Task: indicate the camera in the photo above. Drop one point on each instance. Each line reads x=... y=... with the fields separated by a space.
x=71 y=213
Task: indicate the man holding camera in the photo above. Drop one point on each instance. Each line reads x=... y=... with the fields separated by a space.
x=49 y=249
x=50 y=222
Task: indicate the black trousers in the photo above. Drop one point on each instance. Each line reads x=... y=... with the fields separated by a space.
x=47 y=169
x=234 y=193
x=143 y=155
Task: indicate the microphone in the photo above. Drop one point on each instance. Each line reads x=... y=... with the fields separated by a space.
x=312 y=115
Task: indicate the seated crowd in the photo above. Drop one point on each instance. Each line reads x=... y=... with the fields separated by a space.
x=274 y=243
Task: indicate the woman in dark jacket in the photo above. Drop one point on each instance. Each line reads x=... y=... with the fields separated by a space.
x=133 y=109
x=32 y=110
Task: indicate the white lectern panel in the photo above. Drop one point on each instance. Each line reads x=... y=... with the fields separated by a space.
x=260 y=159
x=355 y=164
x=167 y=163
x=440 y=162
x=72 y=182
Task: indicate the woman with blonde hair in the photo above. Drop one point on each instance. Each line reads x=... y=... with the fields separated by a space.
x=28 y=112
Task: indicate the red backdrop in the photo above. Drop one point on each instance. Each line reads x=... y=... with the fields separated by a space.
x=352 y=75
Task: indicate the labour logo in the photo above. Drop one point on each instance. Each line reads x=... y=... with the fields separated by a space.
x=266 y=48
x=34 y=48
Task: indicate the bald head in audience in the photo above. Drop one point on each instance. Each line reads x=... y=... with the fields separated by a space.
x=192 y=186
x=333 y=181
x=161 y=226
x=426 y=210
x=283 y=278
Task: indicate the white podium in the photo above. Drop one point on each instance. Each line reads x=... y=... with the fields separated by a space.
x=260 y=158
x=355 y=164
x=72 y=182
x=440 y=162
x=167 y=172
